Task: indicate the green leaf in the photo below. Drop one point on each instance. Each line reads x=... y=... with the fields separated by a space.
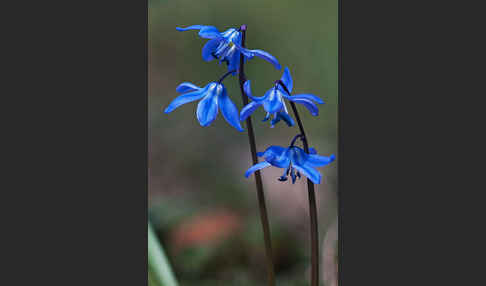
x=160 y=272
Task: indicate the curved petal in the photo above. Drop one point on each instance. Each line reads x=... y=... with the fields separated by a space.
x=183 y=99
x=187 y=87
x=207 y=109
x=287 y=79
x=247 y=89
x=229 y=110
x=256 y=167
x=193 y=27
x=307 y=103
x=259 y=53
x=315 y=160
x=209 y=32
x=305 y=96
x=268 y=57
x=312 y=150
x=286 y=117
x=309 y=172
x=209 y=49
x=248 y=110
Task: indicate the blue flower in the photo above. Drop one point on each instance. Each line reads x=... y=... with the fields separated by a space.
x=226 y=47
x=213 y=95
x=274 y=104
x=294 y=160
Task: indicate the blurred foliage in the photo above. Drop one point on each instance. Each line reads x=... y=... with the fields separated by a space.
x=196 y=174
x=159 y=269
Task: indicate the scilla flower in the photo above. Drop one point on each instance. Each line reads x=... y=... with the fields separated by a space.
x=213 y=96
x=226 y=47
x=294 y=160
x=274 y=104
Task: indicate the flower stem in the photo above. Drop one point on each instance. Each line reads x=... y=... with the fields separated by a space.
x=312 y=201
x=312 y=208
x=225 y=75
x=258 y=177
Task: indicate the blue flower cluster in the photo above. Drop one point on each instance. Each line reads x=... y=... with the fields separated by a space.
x=227 y=48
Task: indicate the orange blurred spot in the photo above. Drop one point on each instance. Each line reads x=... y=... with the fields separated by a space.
x=205 y=229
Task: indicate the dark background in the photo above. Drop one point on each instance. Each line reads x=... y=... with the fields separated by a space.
x=196 y=180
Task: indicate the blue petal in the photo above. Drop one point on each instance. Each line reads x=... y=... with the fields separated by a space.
x=248 y=110
x=234 y=62
x=277 y=156
x=209 y=48
x=286 y=117
x=247 y=89
x=312 y=150
x=268 y=57
x=229 y=110
x=183 y=99
x=207 y=109
x=209 y=32
x=256 y=167
x=309 y=172
x=307 y=103
x=193 y=27
x=259 y=53
x=315 y=160
x=305 y=96
x=287 y=79
x=298 y=155
x=187 y=87
x=272 y=101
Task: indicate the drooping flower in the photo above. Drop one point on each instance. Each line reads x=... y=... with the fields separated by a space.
x=274 y=104
x=213 y=96
x=294 y=160
x=226 y=46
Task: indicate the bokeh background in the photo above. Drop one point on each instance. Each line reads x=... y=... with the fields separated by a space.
x=203 y=210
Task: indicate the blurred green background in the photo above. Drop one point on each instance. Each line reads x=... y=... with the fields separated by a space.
x=202 y=208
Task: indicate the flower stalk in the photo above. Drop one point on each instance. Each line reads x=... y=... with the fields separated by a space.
x=258 y=177
x=312 y=201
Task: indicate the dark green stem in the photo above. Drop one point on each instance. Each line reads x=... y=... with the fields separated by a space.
x=312 y=202
x=258 y=177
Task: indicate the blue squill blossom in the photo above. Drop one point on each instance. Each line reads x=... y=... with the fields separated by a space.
x=274 y=104
x=226 y=46
x=213 y=96
x=294 y=160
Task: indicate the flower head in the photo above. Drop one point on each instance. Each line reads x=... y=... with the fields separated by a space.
x=294 y=160
x=212 y=96
x=226 y=46
x=274 y=104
